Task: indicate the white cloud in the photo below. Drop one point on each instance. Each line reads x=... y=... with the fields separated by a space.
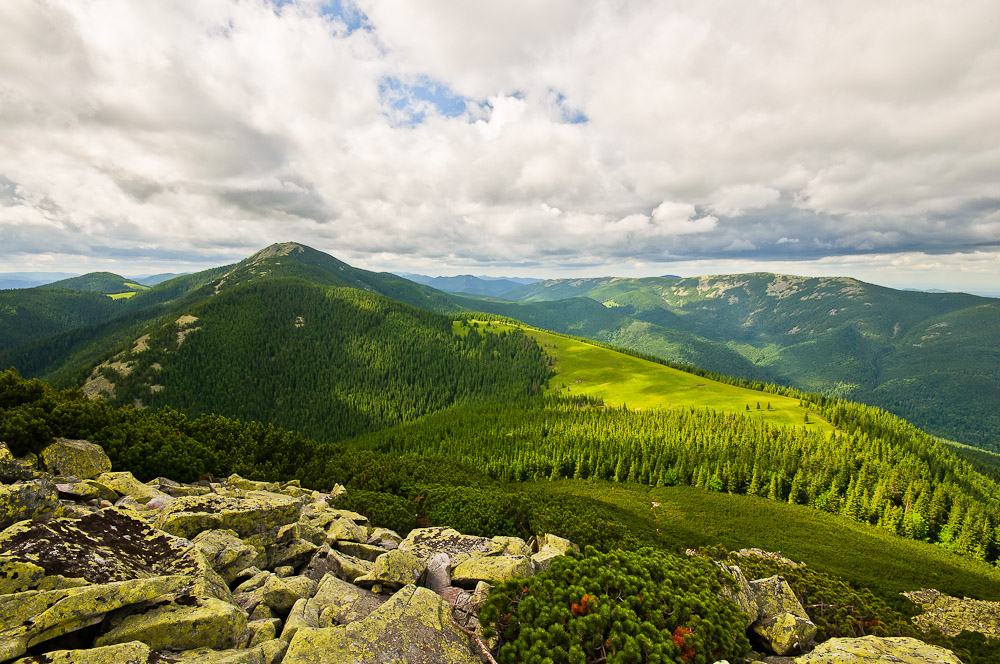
x=209 y=129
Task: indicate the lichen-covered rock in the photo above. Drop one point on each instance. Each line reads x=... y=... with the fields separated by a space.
x=253 y=513
x=345 y=530
x=774 y=596
x=785 y=633
x=13 y=469
x=322 y=563
x=740 y=592
x=134 y=652
x=413 y=626
x=27 y=500
x=182 y=624
x=384 y=538
x=425 y=542
x=549 y=548
x=350 y=567
x=336 y=602
x=124 y=484
x=101 y=547
x=234 y=481
x=952 y=615
x=33 y=617
x=296 y=553
x=393 y=570
x=367 y=552
x=492 y=569
x=263 y=630
x=513 y=546
x=75 y=458
x=876 y=650
x=225 y=552
x=268 y=652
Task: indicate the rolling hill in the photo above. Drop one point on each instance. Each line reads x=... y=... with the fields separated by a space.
x=928 y=357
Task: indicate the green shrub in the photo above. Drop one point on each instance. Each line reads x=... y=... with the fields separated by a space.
x=382 y=509
x=620 y=607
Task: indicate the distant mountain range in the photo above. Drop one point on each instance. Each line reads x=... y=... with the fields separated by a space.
x=467 y=284
x=929 y=357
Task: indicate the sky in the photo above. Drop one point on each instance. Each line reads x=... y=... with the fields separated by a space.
x=548 y=139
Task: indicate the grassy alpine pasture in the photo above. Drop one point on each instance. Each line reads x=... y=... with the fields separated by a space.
x=688 y=517
x=620 y=379
x=121 y=296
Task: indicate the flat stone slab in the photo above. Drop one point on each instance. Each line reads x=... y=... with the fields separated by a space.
x=426 y=542
x=876 y=650
x=252 y=513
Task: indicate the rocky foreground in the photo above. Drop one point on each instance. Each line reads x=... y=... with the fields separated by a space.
x=97 y=567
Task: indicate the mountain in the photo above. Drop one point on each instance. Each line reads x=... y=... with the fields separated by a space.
x=98 y=282
x=293 y=337
x=929 y=357
x=470 y=285
x=154 y=279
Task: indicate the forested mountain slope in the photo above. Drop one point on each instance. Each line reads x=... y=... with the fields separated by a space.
x=929 y=357
x=98 y=282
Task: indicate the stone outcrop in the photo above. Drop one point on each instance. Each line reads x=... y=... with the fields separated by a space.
x=952 y=615
x=230 y=572
x=876 y=650
x=782 y=624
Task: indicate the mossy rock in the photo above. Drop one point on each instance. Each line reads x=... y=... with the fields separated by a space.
x=426 y=542
x=493 y=569
x=254 y=513
x=27 y=500
x=134 y=652
x=33 y=617
x=268 y=652
x=413 y=626
x=226 y=552
x=185 y=623
x=875 y=650
x=75 y=458
x=393 y=570
x=345 y=530
x=785 y=633
x=124 y=484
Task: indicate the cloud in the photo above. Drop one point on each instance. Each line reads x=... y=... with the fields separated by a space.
x=429 y=132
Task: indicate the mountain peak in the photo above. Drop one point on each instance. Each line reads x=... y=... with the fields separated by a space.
x=276 y=250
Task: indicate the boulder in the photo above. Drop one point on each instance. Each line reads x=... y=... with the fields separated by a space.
x=263 y=630
x=185 y=623
x=413 y=626
x=134 y=652
x=875 y=650
x=350 y=567
x=493 y=569
x=740 y=592
x=101 y=547
x=384 y=538
x=75 y=458
x=33 y=617
x=27 y=500
x=124 y=484
x=952 y=615
x=345 y=530
x=78 y=491
x=336 y=602
x=774 y=596
x=785 y=633
x=426 y=542
x=322 y=563
x=393 y=570
x=226 y=553
x=367 y=552
x=254 y=513
x=551 y=547
x=268 y=652
x=513 y=546
x=13 y=469
x=438 y=575
x=295 y=554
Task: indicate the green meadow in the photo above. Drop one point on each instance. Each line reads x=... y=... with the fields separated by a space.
x=620 y=379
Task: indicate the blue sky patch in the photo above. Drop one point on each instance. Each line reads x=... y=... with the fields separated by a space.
x=569 y=114
x=409 y=102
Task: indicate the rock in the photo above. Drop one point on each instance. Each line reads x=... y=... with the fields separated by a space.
x=875 y=650
x=513 y=546
x=785 y=633
x=426 y=542
x=322 y=563
x=295 y=554
x=13 y=469
x=336 y=602
x=359 y=519
x=740 y=592
x=268 y=652
x=27 y=500
x=181 y=624
x=549 y=548
x=105 y=546
x=345 y=530
x=30 y=618
x=393 y=570
x=772 y=555
x=494 y=569
x=413 y=626
x=350 y=567
x=438 y=575
x=284 y=571
x=79 y=491
x=384 y=538
x=75 y=458
x=234 y=481
x=252 y=514
x=367 y=552
x=952 y=615
x=263 y=630
x=774 y=596
x=225 y=552
x=124 y=484
x=133 y=652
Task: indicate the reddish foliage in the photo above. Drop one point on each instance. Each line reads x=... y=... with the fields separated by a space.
x=583 y=608
x=687 y=651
